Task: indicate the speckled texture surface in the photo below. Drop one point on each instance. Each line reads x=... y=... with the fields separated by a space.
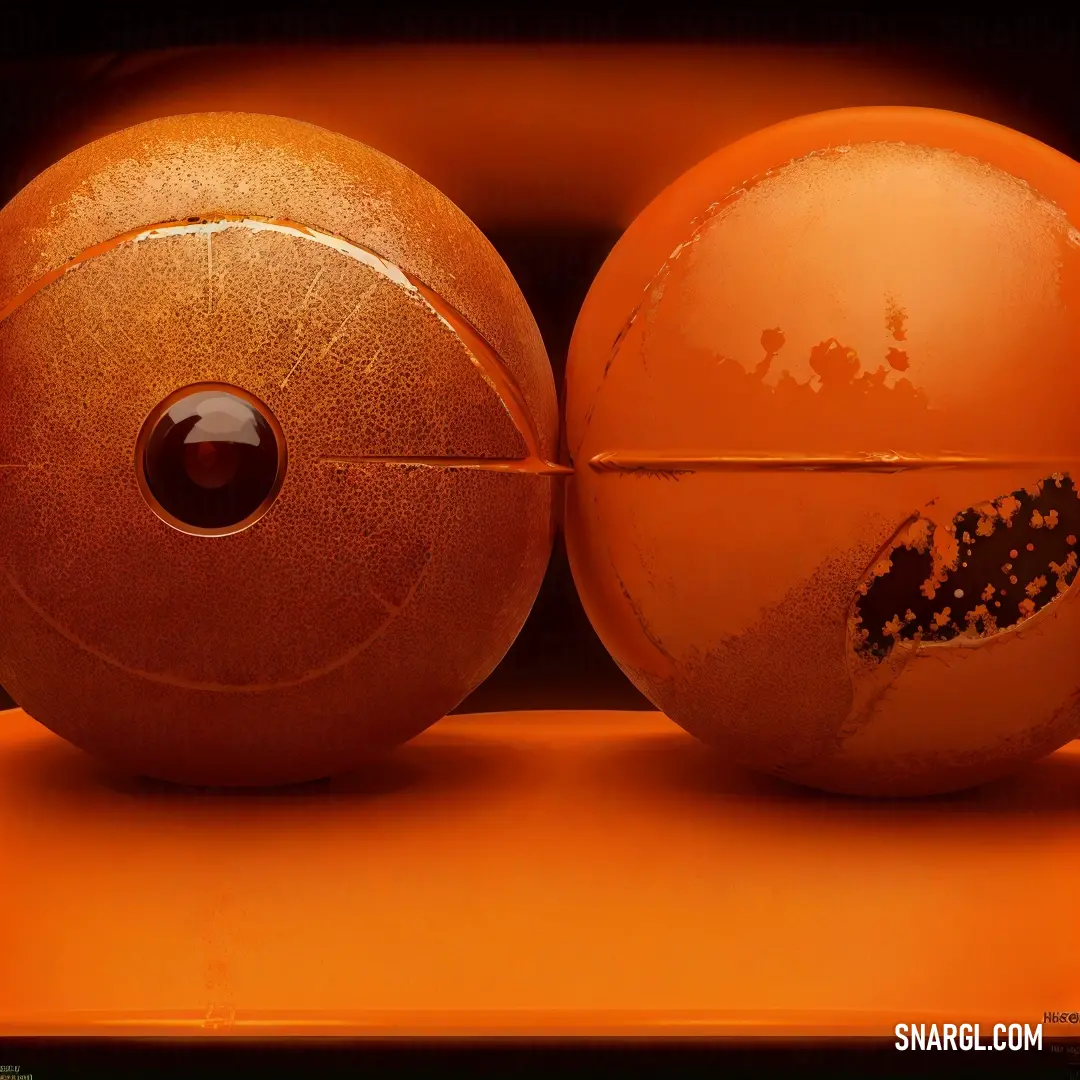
x=371 y=598
x=219 y=164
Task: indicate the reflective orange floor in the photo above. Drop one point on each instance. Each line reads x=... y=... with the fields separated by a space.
x=529 y=873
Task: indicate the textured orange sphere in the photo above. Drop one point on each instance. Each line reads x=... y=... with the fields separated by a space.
x=821 y=405
x=274 y=419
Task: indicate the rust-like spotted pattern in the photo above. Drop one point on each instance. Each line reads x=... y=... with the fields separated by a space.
x=372 y=596
x=993 y=567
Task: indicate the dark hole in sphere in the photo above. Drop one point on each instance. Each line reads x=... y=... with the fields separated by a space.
x=211 y=460
x=1004 y=573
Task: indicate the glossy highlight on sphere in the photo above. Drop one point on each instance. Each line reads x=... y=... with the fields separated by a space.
x=210 y=459
x=820 y=406
x=273 y=413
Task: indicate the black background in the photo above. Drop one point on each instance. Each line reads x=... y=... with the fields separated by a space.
x=51 y=64
x=49 y=61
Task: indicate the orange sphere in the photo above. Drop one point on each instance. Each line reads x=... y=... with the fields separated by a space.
x=274 y=425
x=821 y=405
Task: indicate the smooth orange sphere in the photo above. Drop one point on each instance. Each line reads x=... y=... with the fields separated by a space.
x=821 y=406
x=274 y=419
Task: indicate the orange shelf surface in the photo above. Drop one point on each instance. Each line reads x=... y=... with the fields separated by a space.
x=529 y=873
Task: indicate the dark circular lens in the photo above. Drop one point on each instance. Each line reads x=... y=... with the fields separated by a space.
x=211 y=457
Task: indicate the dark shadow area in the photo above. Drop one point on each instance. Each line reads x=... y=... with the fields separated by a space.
x=554 y=269
x=665 y=766
x=557 y=661
x=53 y=772
x=685 y=1057
x=646 y=766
